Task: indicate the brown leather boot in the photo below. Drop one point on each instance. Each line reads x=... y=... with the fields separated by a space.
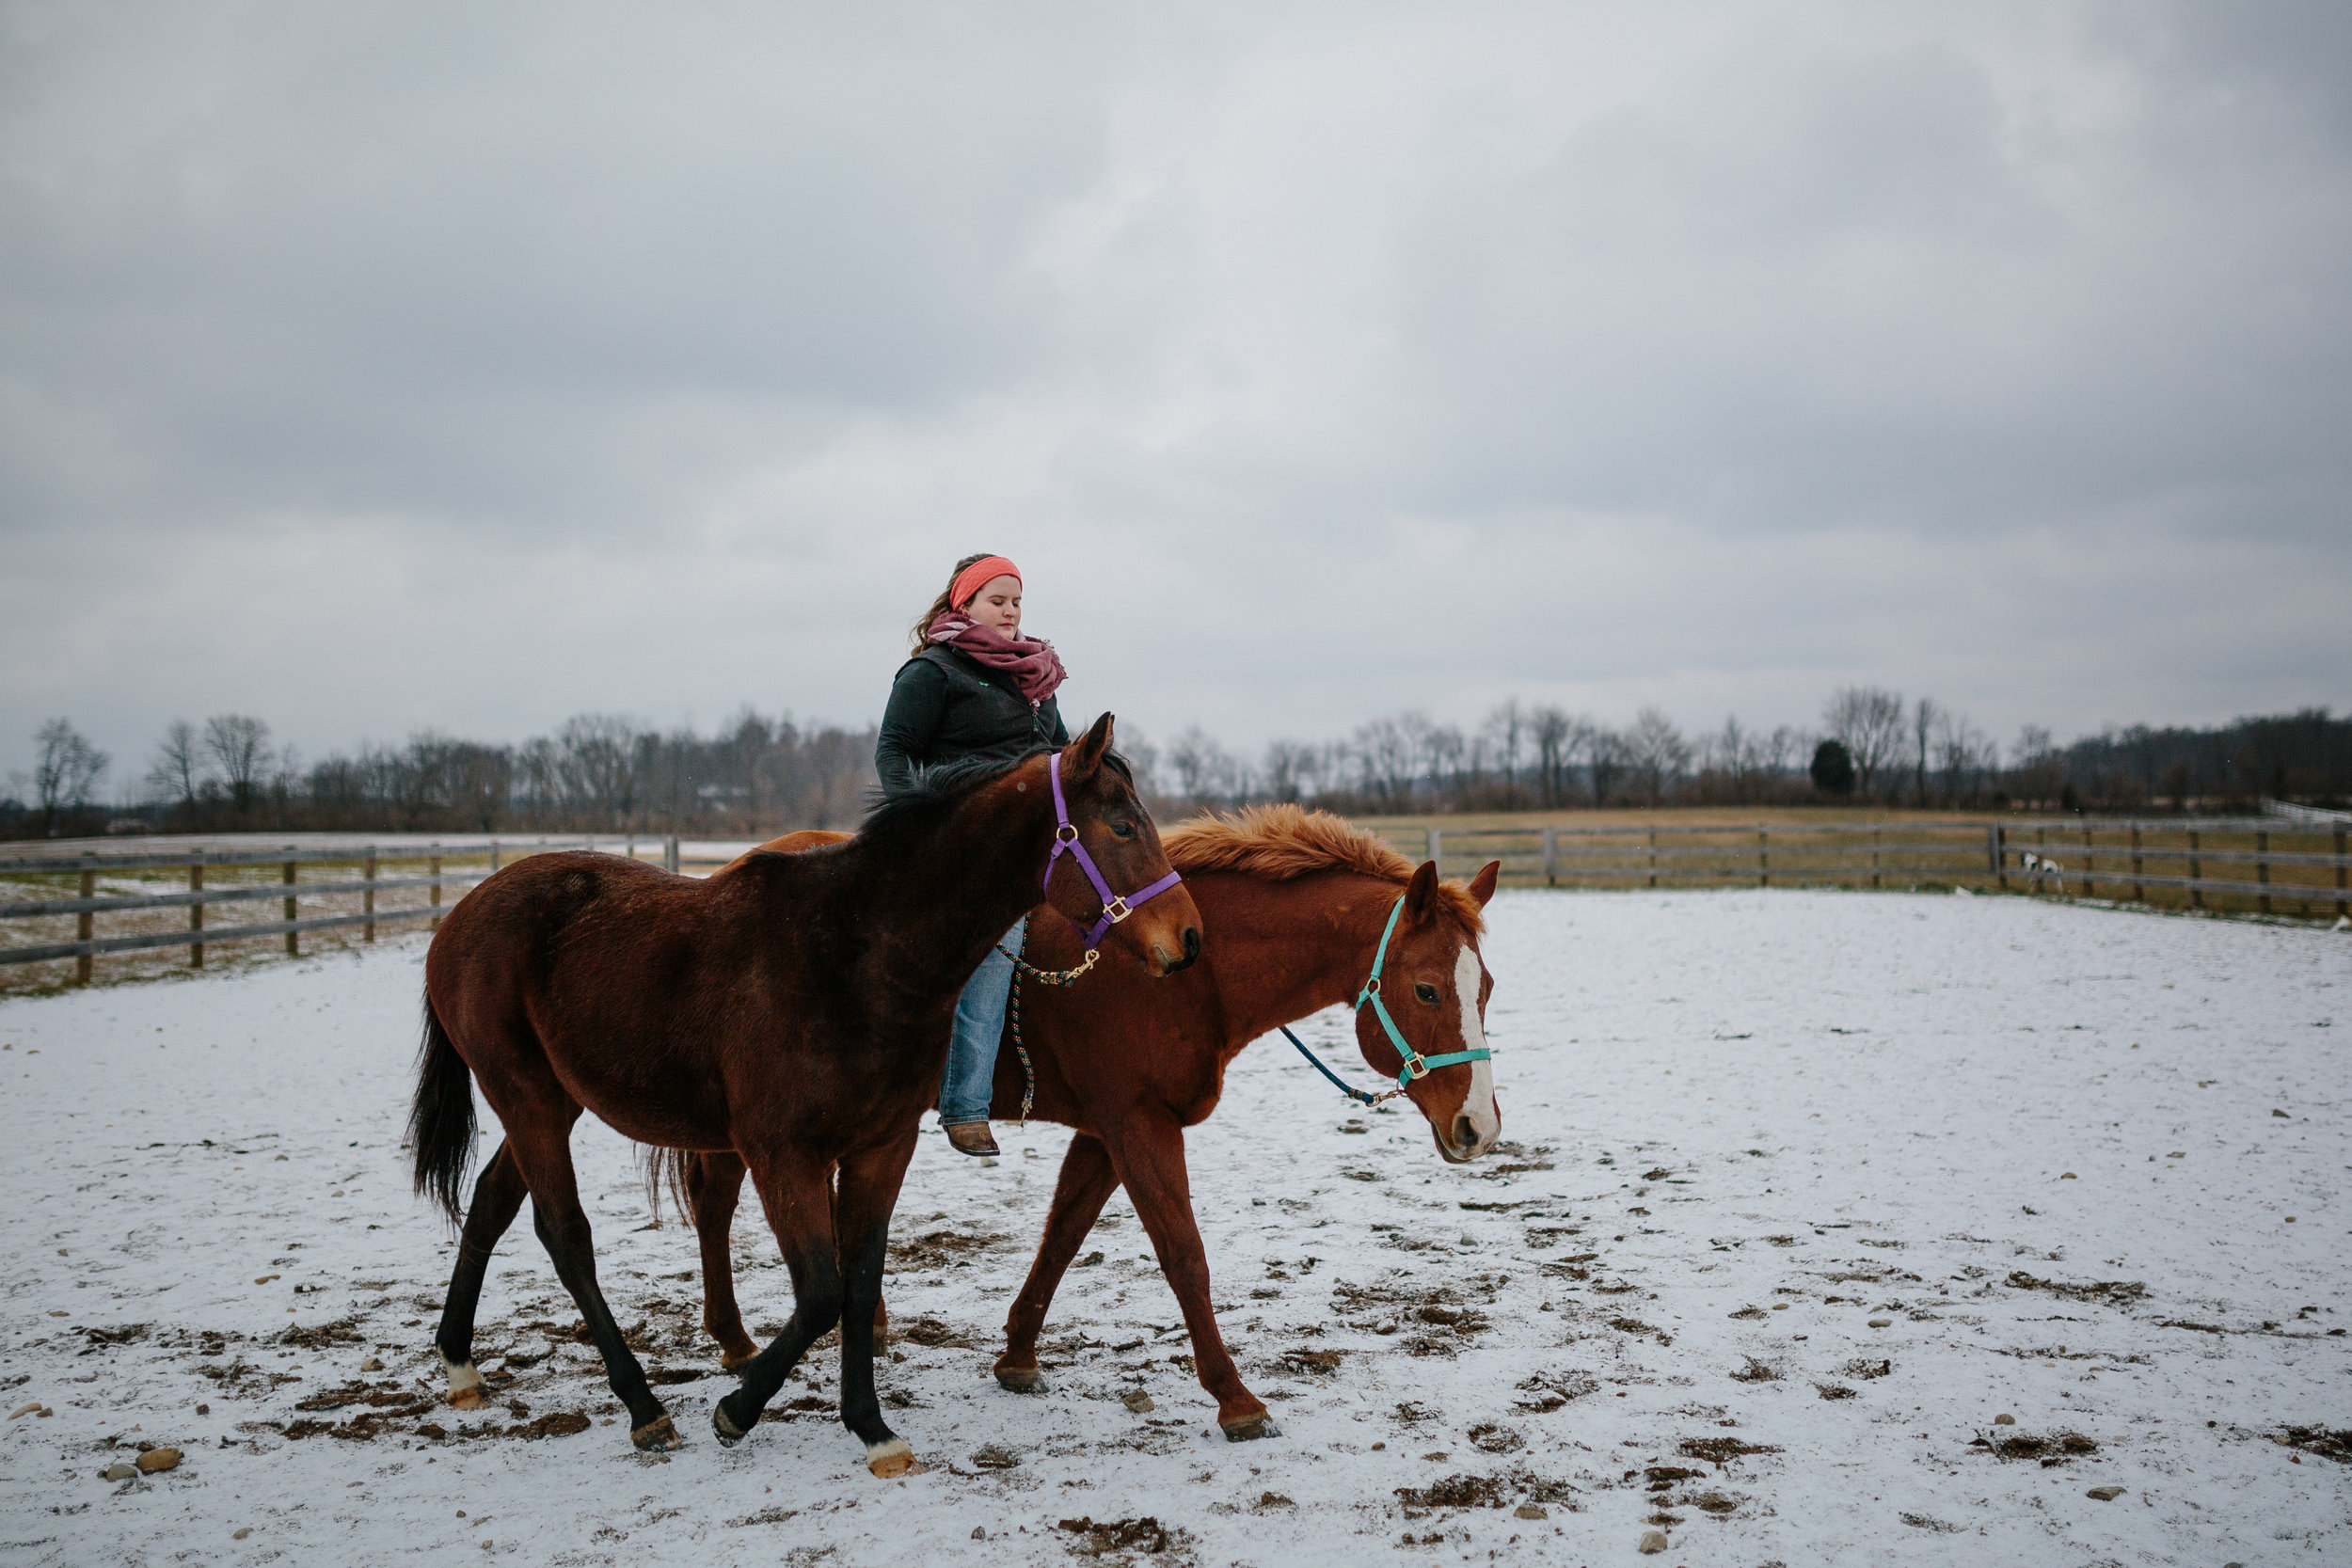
x=973 y=1138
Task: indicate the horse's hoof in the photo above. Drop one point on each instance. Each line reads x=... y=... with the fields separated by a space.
x=737 y=1363
x=726 y=1431
x=467 y=1398
x=655 y=1437
x=1019 y=1380
x=1249 y=1428
x=893 y=1458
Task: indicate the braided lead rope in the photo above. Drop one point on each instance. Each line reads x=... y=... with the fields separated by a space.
x=1022 y=966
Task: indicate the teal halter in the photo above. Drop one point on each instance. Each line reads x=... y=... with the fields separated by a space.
x=1416 y=1065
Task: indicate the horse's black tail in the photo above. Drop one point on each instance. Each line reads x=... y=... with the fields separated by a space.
x=441 y=1120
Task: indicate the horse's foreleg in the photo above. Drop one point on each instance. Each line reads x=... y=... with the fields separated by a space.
x=714 y=1184
x=1148 y=1156
x=868 y=1192
x=497 y=1195
x=798 y=1198
x=1087 y=1183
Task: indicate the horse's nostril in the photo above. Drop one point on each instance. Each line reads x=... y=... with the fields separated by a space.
x=1192 y=942
x=1465 y=1132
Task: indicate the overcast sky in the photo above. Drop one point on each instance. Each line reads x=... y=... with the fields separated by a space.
x=376 y=367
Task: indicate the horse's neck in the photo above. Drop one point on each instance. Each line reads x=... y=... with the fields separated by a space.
x=946 y=898
x=1281 y=951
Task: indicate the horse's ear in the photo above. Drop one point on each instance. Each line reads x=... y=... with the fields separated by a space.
x=1087 y=754
x=1482 y=887
x=1421 y=895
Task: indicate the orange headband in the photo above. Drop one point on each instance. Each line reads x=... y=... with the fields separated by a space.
x=977 y=576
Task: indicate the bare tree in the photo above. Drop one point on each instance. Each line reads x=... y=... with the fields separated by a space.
x=239 y=747
x=1204 y=769
x=178 y=771
x=1869 y=722
x=65 y=771
x=1383 y=753
x=1924 y=714
x=1441 y=747
x=1290 y=767
x=1506 y=733
x=1657 y=752
x=1606 y=760
x=595 y=768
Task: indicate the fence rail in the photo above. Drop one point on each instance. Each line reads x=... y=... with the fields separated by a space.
x=89 y=905
x=2036 y=854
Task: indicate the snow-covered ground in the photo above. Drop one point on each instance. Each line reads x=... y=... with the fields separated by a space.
x=1839 y=1178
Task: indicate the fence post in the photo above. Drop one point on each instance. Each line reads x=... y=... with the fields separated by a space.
x=2139 y=892
x=434 y=864
x=84 y=924
x=1763 y=859
x=2196 y=874
x=370 y=927
x=293 y=942
x=196 y=910
x=2090 y=888
x=670 y=855
x=2262 y=867
x=1551 y=858
x=1993 y=855
x=1436 y=847
x=494 y=856
x=1652 y=836
x=2340 y=898
x=1877 y=837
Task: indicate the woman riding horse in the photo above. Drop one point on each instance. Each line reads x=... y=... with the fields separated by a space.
x=975 y=688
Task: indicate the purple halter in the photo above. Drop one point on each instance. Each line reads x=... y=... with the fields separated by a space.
x=1115 y=909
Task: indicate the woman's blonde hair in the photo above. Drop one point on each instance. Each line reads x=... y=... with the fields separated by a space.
x=923 y=621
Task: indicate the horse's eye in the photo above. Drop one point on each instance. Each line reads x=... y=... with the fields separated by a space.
x=1122 y=830
x=1427 y=993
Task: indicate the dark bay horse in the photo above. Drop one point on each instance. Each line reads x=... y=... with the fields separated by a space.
x=1298 y=901
x=796 y=1012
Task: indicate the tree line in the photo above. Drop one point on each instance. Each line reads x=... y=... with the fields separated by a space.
x=758 y=776
x=1872 y=746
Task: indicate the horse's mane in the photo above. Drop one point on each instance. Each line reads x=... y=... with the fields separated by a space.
x=935 y=790
x=1281 y=843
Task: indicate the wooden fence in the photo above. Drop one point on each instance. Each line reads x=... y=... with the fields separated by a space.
x=2125 y=858
x=440 y=862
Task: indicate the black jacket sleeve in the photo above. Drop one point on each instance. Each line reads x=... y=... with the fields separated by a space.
x=1060 y=736
x=918 y=697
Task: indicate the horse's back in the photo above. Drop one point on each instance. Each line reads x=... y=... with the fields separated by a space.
x=791 y=844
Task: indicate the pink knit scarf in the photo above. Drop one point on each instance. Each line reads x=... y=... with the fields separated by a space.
x=1031 y=660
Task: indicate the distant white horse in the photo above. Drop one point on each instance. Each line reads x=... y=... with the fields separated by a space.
x=2039 y=866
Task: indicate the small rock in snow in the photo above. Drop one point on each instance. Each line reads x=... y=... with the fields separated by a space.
x=2104 y=1494
x=1138 y=1402
x=373 y=1363
x=159 y=1459
x=1882 y=1323
x=2004 y=1420
x=980 y=1532
x=119 y=1471
x=1532 y=1510
x=24 y=1410
x=241 y=1535
x=1653 y=1541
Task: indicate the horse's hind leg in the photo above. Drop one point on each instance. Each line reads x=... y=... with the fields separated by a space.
x=497 y=1196
x=714 y=1184
x=1087 y=1183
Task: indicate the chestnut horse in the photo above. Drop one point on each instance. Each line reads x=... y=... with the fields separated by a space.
x=1298 y=901
x=796 y=1010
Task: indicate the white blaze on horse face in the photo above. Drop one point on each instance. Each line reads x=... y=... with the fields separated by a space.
x=1480 y=1105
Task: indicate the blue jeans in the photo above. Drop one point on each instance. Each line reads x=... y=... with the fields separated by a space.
x=971 y=1078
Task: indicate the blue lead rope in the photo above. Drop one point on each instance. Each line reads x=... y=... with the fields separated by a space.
x=1342 y=1085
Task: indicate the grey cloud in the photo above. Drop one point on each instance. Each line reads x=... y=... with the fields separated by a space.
x=1317 y=360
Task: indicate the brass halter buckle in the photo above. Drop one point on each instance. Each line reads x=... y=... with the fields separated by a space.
x=1416 y=1066
x=1117 y=910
